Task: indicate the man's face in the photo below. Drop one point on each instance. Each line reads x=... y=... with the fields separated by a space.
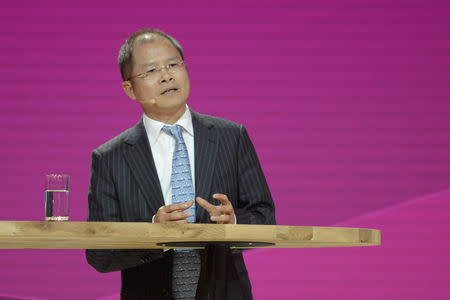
x=152 y=93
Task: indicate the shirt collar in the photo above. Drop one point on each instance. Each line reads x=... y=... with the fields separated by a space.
x=153 y=127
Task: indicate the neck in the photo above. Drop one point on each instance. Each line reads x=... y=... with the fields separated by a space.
x=169 y=118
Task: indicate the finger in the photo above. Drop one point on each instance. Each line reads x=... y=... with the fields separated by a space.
x=189 y=203
x=226 y=207
x=224 y=210
x=174 y=216
x=178 y=206
x=222 y=198
x=163 y=218
x=206 y=205
x=223 y=219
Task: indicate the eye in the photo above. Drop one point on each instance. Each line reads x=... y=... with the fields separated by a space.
x=151 y=71
x=172 y=65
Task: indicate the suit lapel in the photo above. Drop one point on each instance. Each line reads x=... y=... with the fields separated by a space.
x=206 y=146
x=140 y=160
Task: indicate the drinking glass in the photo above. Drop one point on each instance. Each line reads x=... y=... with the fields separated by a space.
x=56 y=197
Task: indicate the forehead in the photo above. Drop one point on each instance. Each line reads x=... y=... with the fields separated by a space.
x=148 y=49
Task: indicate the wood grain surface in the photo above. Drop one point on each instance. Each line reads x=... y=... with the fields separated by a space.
x=121 y=235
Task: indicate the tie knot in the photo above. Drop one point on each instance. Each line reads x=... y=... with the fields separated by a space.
x=174 y=131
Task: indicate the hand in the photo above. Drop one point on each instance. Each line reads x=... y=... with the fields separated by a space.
x=173 y=213
x=223 y=213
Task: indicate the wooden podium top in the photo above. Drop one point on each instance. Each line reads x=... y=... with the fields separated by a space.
x=121 y=235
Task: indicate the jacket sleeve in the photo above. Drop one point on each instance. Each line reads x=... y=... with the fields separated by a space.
x=255 y=204
x=103 y=206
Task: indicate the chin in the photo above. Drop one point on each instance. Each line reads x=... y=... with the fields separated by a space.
x=165 y=105
x=174 y=103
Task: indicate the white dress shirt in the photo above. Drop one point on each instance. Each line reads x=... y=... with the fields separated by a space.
x=163 y=145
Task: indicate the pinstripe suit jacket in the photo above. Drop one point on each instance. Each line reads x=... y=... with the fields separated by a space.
x=124 y=187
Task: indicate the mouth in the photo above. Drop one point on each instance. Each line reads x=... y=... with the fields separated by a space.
x=169 y=92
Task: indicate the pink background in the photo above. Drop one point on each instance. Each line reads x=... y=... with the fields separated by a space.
x=347 y=103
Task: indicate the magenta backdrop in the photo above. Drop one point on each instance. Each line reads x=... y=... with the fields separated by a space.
x=347 y=103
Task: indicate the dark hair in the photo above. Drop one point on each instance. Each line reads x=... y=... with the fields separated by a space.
x=125 y=59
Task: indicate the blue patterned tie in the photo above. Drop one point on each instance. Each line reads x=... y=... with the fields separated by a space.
x=186 y=263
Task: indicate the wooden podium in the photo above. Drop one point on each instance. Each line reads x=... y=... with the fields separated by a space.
x=121 y=235
x=218 y=240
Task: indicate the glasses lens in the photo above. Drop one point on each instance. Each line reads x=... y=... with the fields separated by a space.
x=153 y=73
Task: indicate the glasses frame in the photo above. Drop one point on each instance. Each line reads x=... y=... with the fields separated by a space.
x=158 y=70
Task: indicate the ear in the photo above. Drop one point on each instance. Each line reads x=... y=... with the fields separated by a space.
x=128 y=88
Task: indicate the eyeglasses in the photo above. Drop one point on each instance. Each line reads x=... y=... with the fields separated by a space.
x=154 y=72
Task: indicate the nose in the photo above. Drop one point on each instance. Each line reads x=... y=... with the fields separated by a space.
x=166 y=76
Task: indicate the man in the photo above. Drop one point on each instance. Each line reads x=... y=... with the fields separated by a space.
x=134 y=176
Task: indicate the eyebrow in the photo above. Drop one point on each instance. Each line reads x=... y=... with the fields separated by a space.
x=151 y=63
